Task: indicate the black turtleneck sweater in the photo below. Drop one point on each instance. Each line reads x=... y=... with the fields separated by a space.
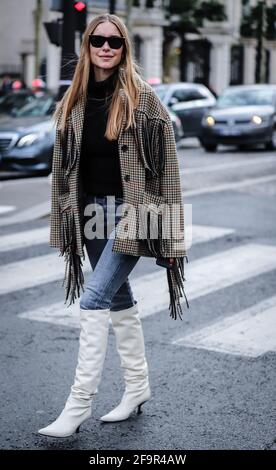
x=100 y=164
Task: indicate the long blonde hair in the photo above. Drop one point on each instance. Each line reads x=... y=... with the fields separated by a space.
x=128 y=78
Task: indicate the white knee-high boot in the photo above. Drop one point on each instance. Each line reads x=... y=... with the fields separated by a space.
x=92 y=351
x=130 y=346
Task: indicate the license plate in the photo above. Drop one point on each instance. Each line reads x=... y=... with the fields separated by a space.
x=229 y=132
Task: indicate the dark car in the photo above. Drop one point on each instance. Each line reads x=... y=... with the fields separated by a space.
x=243 y=115
x=26 y=140
x=189 y=101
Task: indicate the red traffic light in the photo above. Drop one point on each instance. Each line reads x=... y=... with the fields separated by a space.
x=79 y=6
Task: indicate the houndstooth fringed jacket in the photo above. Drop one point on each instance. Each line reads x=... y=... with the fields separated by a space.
x=150 y=177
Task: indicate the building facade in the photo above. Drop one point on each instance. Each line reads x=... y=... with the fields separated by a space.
x=216 y=55
x=17 y=33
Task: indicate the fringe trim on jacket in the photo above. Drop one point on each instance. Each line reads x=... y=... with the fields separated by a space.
x=148 y=132
x=73 y=278
x=175 y=277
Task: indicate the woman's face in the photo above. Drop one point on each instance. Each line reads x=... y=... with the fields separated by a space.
x=104 y=57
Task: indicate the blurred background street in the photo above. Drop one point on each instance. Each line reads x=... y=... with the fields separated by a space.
x=212 y=375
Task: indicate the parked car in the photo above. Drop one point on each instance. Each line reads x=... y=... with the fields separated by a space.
x=14 y=100
x=27 y=137
x=26 y=140
x=243 y=115
x=189 y=101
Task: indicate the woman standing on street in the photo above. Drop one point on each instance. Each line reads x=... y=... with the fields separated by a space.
x=114 y=142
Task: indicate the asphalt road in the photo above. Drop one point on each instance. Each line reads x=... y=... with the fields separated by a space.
x=212 y=375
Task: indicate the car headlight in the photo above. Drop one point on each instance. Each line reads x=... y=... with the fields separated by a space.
x=210 y=121
x=257 y=120
x=30 y=139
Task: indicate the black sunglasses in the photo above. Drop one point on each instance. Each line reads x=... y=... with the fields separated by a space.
x=115 y=42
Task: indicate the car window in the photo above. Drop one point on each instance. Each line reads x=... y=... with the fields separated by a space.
x=39 y=107
x=188 y=95
x=252 y=97
x=14 y=101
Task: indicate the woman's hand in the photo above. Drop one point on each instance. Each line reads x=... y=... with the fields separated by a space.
x=171 y=260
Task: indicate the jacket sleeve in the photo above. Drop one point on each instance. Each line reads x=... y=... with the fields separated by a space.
x=175 y=245
x=170 y=183
x=59 y=186
x=55 y=223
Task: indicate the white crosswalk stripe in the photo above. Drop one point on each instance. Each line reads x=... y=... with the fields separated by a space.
x=226 y=268
x=247 y=333
x=227 y=165
x=229 y=186
x=47 y=268
x=193 y=234
x=5 y=209
x=24 y=239
x=32 y=272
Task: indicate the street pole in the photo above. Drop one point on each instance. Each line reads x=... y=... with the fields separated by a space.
x=37 y=22
x=112 y=7
x=263 y=54
x=68 y=56
x=128 y=12
x=260 y=57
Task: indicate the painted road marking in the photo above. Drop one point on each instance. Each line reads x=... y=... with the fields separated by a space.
x=207 y=275
x=227 y=268
x=5 y=209
x=248 y=333
x=47 y=268
x=32 y=213
x=32 y=272
x=206 y=233
x=24 y=239
x=227 y=165
x=193 y=234
x=230 y=186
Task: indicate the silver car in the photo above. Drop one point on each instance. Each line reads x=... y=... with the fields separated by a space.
x=244 y=115
x=189 y=101
x=27 y=139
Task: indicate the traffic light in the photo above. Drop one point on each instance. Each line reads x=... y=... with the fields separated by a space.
x=54 y=32
x=271 y=23
x=80 y=9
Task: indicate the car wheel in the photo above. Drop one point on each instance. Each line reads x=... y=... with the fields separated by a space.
x=210 y=147
x=242 y=147
x=271 y=145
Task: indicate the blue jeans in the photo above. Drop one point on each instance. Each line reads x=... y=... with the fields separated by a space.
x=108 y=286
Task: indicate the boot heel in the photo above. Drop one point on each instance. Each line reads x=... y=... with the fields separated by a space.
x=139 y=411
